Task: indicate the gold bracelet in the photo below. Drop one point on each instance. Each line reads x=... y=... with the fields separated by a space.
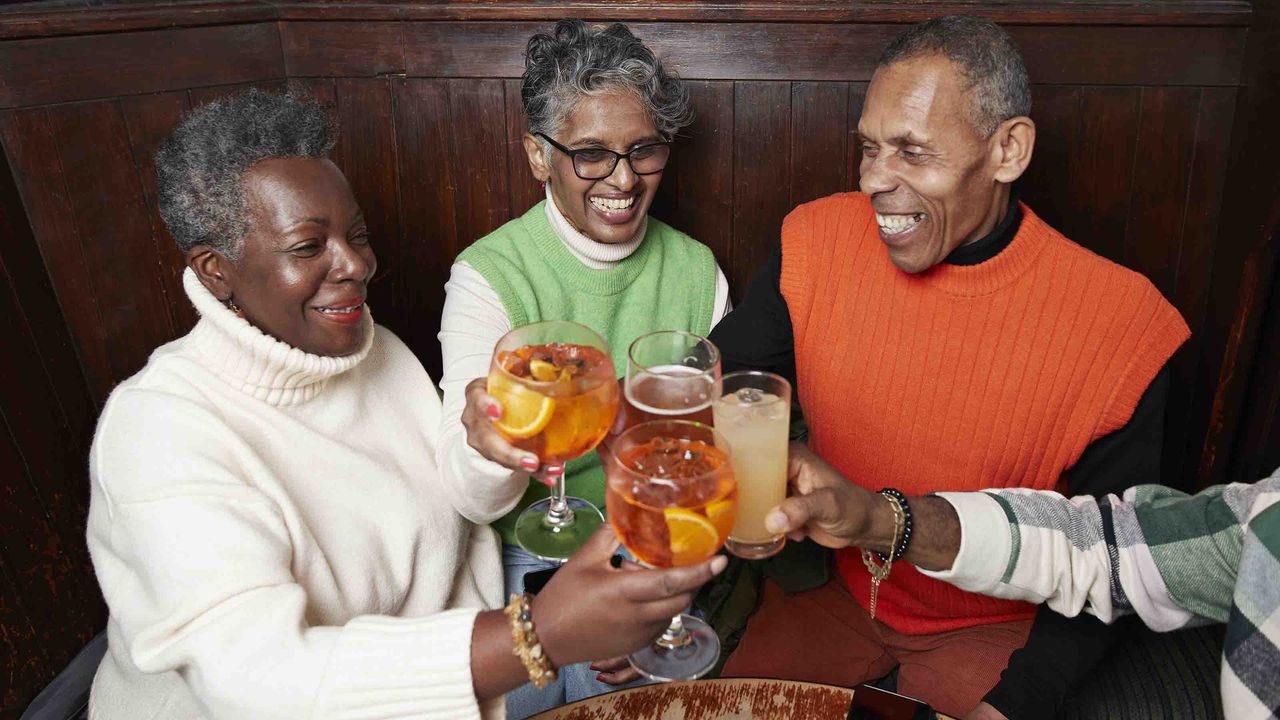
x=880 y=572
x=527 y=646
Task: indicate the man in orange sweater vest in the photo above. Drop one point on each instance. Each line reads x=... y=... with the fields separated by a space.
x=943 y=337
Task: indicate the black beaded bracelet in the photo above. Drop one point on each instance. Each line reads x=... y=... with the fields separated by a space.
x=901 y=548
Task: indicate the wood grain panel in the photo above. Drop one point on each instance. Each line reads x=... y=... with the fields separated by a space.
x=761 y=194
x=804 y=51
x=696 y=194
x=853 y=149
x=150 y=119
x=113 y=238
x=342 y=49
x=51 y=70
x=819 y=140
x=417 y=267
x=32 y=148
x=62 y=20
x=1195 y=265
x=1082 y=169
x=524 y=189
x=477 y=146
x=1166 y=140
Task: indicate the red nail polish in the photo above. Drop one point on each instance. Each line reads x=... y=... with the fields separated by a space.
x=529 y=464
x=555 y=469
x=493 y=412
x=600 y=677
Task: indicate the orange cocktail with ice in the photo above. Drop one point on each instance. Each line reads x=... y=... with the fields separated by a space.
x=672 y=500
x=559 y=395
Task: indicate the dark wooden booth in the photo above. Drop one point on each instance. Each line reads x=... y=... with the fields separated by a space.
x=1156 y=148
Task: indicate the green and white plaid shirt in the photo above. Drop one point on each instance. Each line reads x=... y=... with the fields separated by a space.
x=1176 y=560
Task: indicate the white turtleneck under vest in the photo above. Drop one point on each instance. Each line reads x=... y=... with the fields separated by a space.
x=269 y=533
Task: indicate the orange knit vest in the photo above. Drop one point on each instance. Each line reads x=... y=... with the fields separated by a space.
x=961 y=377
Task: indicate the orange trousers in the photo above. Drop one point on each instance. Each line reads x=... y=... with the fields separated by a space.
x=823 y=636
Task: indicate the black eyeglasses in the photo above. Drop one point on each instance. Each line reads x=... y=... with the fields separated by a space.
x=598 y=163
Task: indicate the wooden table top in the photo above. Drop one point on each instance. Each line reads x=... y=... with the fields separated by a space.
x=719 y=699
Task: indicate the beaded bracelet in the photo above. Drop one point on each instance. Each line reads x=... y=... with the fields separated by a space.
x=900 y=549
x=527 y=646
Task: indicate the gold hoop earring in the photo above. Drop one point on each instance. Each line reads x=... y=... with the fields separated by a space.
x=231 y=305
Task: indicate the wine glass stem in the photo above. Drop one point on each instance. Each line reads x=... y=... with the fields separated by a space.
x=559 y=515
x=675 y=635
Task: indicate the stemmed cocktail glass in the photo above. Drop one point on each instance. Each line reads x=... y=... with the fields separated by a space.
x=672 y=499
x=556 y=382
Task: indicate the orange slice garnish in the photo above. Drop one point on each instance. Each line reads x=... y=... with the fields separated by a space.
x=524 y=412
x=693 y=537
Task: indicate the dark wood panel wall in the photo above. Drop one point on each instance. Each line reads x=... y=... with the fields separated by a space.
x=1139 y=111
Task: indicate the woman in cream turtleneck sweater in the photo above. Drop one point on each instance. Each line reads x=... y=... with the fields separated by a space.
x=267 y=521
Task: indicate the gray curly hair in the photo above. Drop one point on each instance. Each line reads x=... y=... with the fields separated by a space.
x=200 y=167
x=575 y=61
x=985 y=54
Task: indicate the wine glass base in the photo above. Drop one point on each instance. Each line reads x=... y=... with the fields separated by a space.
x=545 y=541
x=687 y=662
x=755 y=550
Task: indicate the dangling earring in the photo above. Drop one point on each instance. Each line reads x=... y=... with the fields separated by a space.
x=543 y=184
x=231 y=305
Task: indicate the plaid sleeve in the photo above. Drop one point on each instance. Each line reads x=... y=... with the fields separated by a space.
x=1168 y=556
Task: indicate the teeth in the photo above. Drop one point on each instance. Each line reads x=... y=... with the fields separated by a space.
x=613 y=205
x=894 y=224
x=340 y=311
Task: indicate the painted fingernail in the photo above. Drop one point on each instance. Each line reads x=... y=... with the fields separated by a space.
x=493 y=412
x=529 y=463
x=555 y=469
x=593 y=667
x=600 y=677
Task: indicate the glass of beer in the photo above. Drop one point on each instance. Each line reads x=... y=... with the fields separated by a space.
x=753 y=413
x=671 y=375
x=671 y=500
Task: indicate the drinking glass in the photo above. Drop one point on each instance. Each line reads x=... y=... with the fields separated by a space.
x=753 y=412
x=671 y=374
x=671 y=498
x=559 y=396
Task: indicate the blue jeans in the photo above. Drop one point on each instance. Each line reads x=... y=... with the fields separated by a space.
x=576 y=681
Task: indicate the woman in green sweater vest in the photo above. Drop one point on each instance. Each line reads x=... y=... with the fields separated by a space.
x=601 y=114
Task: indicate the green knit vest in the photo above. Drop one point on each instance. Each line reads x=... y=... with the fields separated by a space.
x=668 y=283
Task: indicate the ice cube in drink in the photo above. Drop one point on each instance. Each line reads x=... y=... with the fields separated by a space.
x=755 y=422
x=671 y=500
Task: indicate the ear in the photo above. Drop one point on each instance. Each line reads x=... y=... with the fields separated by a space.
x=1015 y=140
x=214 y=270
x=537 y=159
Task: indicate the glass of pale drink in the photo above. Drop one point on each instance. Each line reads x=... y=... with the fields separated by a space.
x=753 y=413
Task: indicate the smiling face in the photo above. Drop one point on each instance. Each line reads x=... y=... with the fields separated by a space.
x=609 y=210
x=935 y=183
x=303 y=271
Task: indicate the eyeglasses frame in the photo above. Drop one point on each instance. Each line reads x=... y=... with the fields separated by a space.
x=617 y=156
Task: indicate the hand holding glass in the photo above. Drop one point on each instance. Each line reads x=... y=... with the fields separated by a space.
x=556 y=383
x=672 y=499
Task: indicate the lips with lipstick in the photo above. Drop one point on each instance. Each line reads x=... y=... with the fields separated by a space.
x=343 y=311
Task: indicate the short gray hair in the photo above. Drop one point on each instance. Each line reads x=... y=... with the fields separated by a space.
x=200 y=167
x=987 y=57
x=575 y=61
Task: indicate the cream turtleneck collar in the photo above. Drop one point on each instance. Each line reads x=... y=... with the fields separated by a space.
x=595 y=255
x=256 y=363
